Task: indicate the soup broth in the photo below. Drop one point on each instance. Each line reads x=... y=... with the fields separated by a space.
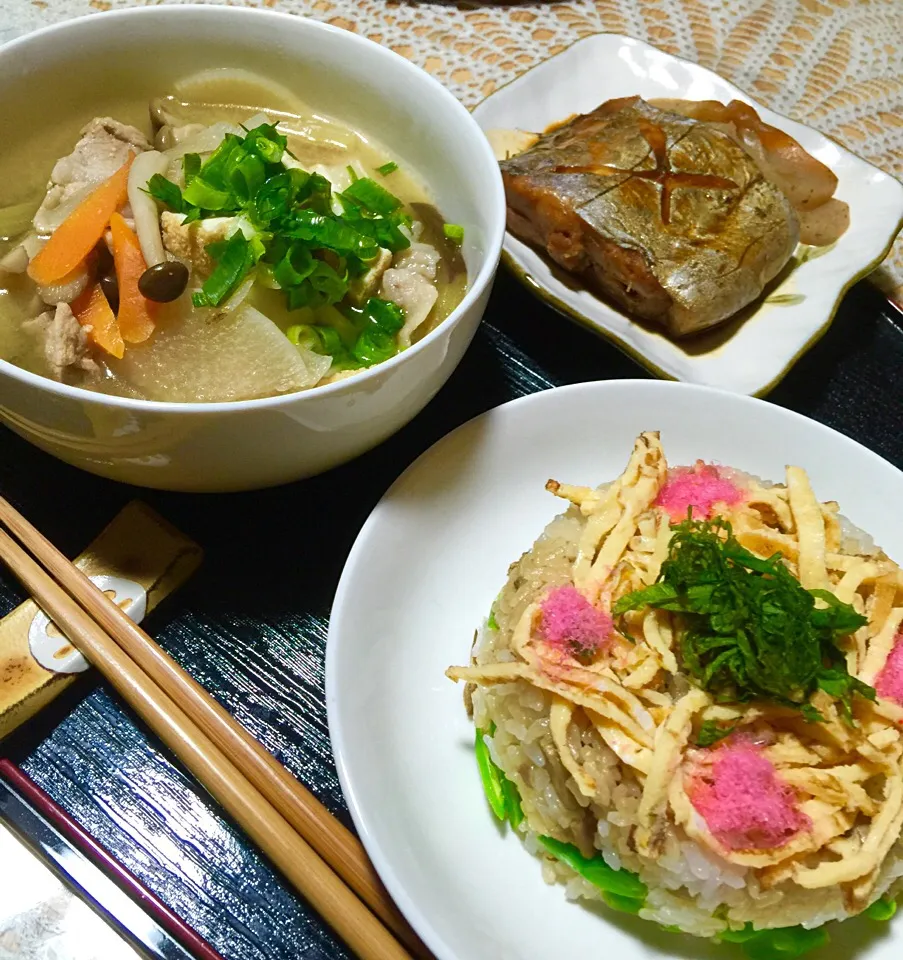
x=346 y=259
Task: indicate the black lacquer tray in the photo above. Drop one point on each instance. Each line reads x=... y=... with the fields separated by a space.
x=251 y=625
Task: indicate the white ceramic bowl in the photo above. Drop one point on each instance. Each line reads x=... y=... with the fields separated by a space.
x=256 y=443
x=452 y=523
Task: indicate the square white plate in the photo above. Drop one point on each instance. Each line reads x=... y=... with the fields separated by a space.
x=744 y=357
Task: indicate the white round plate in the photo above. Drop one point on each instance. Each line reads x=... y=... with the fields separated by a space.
x=422 y=576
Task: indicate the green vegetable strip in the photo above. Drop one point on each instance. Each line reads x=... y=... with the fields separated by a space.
x=785 y=943
x=377 y=342
x=375 y=198
x=622 y=904
x=621 y=883
x=387 y=168
x=492 y=623
x=882 y=909
x=501 y=793
x=491 y=777
x=200 y=193
x=453 y=232
x=513 y=809
x=234 y=259
x=748 y=627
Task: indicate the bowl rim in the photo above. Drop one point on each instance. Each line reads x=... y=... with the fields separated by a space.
x=494 y=239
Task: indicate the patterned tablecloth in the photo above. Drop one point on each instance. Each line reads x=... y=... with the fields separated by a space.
x=834 y=64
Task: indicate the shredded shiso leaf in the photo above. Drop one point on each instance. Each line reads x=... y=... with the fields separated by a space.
x=750 y=629
x=710 y=732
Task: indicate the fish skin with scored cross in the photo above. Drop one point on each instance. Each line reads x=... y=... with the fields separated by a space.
x=666 y=215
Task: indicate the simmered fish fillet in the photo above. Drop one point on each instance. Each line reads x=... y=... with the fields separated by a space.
x=666 y=215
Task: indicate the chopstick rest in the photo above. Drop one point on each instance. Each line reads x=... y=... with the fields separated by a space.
x=140 y=556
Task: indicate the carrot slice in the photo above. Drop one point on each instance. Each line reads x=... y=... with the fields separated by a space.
x=92 y=310
x=136 y=313
x=76 y=236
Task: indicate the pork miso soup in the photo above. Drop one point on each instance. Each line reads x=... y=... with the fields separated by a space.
x=221 y=252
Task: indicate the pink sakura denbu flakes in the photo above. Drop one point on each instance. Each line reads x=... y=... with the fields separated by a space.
x=700 y=487
x=743 y=802
x=889 y=682
x=570 y=623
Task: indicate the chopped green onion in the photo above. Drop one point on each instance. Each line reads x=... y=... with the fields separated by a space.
x=328 y=232
x=330 y=342
x=352 y=173
x=492 y=623
x=215 y=168
x=453 y=232
x=276 y=195
x=199 y=193
x=622 y=883
x=322 y=340
x=377 y=341
x=318 y=196
x=369 y=194
x=372 y=347
x=306 y=248
x=345 y=326
x=295 y=267
x=388 y=316
x=303 y=335
x=387 y=168
x=167 y=192
x=266 y=142
x=234 y=259
x=322 y=286
x=191 y=166
x=246 y=175
x=383 y=231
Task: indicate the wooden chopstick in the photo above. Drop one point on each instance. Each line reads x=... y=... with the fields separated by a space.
x=295 y=858
x=330 y=838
